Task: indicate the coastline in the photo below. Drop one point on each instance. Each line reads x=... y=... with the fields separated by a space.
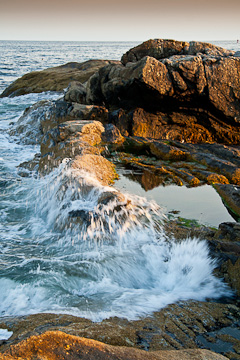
x=91 y=139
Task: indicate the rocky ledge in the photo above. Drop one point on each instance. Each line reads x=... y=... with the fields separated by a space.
x=172 y=110
x=58 y=345
x=54 y=79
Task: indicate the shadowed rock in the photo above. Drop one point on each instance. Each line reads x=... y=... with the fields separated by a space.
x=188 y=92
x=231 y=197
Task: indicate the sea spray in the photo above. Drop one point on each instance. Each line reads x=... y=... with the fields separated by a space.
x=82 y=255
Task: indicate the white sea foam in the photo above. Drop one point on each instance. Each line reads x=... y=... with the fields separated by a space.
x=112 y=259
x=5 y=334
x=108 y=261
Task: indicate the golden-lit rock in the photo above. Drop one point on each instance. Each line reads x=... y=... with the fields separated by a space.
x=55 y=345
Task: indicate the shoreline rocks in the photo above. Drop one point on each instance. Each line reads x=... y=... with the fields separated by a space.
x=56 y=344
x=184 y=325
x=54 y=79
x=161 y=110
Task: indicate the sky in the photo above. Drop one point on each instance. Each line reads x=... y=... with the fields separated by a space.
x=119 y=20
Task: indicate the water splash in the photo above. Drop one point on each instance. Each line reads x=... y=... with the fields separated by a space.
x=90 y=251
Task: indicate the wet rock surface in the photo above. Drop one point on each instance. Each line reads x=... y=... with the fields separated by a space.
x=43 y=116
x=174 y=162
x=176 y=327
x=78 y=141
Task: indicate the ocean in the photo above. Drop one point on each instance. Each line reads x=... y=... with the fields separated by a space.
x=115 y=267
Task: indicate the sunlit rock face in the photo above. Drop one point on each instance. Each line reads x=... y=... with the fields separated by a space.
x=189 y=91
x=56 y=344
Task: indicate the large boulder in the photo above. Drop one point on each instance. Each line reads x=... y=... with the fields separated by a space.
x=119 y=85
x=55 y=78
x=164 y=48
x=194 y=89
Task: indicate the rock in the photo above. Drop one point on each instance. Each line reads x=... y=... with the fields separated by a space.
x=227 y=168
x=164 y=48
x=28 y=168
x=55 y=345
x=112 y=135
x=157 y=48
x=54 y=79
x=108 y=196
x=89 y=112
x=165 y=151
x=159 y=125
x=182 y=163
x=27 y=129
x=68 y=140
x=97 y=166
x=78 y=141
x=222 y=78
x=177 y=327
x=226 y=246
x=210 y=177
x=231 y=230
x=119 y=85
x=76 y=92
x=181 y=126
x=187 y=92
x=43 y=116
x=230 y=195
x=61 y=111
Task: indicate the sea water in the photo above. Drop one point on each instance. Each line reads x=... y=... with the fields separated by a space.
x=111 y=263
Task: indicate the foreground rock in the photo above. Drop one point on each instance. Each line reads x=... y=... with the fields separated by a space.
x=189 y=324
x=57 y=345
x=54 y=79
